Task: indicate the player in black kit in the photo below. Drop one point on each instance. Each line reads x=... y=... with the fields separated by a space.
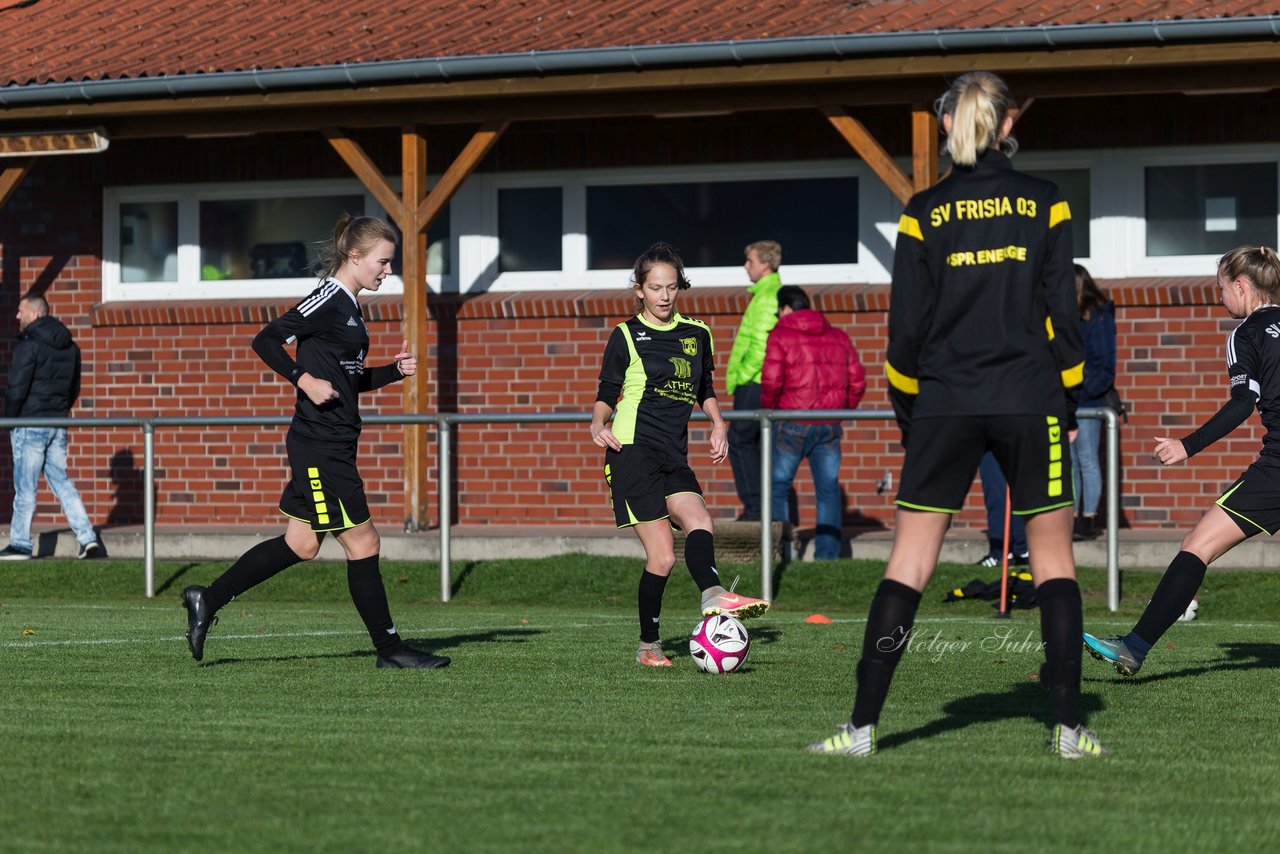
x=984 y=355
x=657 y=366
x=325 y=493
x=1248 y=286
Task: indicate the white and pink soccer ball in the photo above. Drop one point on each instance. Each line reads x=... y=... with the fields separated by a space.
x=719 y=644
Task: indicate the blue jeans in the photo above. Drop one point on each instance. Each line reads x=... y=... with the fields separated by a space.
x=821 y=444
x=993 y=494
x=37 y=449
x=1085 y=470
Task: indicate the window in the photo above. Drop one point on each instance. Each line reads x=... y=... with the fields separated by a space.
x=149 y=242
x=529 y=228
x=1209 y=209
x=267 y=238
x=709 y=222
x=221 y=241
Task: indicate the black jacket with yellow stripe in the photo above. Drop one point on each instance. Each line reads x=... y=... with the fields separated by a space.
x=983 y=317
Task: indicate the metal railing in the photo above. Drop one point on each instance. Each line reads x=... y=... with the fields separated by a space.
x=444 y=422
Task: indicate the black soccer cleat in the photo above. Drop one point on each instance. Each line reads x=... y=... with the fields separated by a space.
x=408 y=657
x=199 y=619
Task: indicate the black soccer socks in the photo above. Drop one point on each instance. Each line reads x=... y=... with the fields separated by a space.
x=700 y=557
x=254 y=567
x=1173 y=594
x=1061 y=626
x=649 y=600
x=364 y=580
x=889 y=622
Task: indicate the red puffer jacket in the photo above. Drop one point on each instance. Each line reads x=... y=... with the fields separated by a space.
x=809 y=364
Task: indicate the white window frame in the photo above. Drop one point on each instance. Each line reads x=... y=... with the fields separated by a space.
x=1141 y=264
x=878 y=215
x=1073 y=161
x=189 y=285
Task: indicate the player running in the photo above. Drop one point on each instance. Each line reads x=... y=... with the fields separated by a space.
x=974 y=367
x=657 y=366
x=325 y=494
x=1248 y=283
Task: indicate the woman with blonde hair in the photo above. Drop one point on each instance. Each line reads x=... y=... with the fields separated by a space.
x=974 y=365
x=1248 y=282
x=325 y=494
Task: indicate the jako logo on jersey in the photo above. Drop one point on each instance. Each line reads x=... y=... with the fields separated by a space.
x=1274 y=330
x=690 y=346
x=683 y=369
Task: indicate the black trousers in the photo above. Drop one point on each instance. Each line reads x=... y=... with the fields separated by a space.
x=744 y=450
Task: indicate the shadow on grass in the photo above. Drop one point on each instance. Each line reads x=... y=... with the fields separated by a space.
x=1024 y=700
x=462 y=577
x=172 y=581
x=433 y=645
x=1239 y=656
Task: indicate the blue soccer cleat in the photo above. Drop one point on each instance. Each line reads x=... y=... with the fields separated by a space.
x=1114 y=652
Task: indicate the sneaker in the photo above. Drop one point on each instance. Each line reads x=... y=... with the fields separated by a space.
x=1114 y=652
x=1084 y=529
x=728 y=602
x=1023 y=559
x=199 y=619
x=650 y=655
x=10 y=553
x=89 y=550
x=406 y=657
x=849 y=740
x=1076 y=742
x=988 y=561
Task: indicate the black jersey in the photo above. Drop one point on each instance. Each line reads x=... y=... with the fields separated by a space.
x=332 y=342
x=983 y=317
x=1253 y=366
x=653 y=376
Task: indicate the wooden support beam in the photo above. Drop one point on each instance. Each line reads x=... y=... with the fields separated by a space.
x=1017 y=112
x=924 y=148
x=857 y=135
x=417 y=464
x=11 y=176
x=368 y=173
x=471 y=155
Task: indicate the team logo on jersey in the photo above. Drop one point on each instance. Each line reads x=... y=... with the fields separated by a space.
x=683 y=369
x=690 y=346
x=351 y=321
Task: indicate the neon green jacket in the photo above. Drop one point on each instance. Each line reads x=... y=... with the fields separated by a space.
x=747 y=357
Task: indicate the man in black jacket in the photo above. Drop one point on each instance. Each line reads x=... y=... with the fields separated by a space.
x=44 y=380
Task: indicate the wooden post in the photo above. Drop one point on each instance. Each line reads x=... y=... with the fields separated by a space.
x=11 y=176
x=924 y=148
x=413 y=154
x=857 y=135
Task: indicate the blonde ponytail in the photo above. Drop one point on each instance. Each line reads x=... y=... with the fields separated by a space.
x=978 y=103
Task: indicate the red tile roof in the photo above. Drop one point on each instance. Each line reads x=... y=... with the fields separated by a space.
x=55 y=41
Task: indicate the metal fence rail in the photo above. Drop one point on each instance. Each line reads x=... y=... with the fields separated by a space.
x=445 y=421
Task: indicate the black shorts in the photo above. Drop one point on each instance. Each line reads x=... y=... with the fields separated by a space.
x=326 y=491
x=943 y=455
x=1253 y=501
x=641 y=479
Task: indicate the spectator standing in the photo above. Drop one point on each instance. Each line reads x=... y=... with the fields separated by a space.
x=809 y=364
x=1098 y=329
x=742 y=374
x=44 y=380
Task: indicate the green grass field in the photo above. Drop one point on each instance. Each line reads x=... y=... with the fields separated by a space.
x=545 y=736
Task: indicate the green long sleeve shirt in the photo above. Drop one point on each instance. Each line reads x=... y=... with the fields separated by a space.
x=746 y=359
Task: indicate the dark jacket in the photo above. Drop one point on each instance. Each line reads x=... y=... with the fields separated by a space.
x=982 y=257
x=44 y=378
x=1099 y=334
x=809 y=364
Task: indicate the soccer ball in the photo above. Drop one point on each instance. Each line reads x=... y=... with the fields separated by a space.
x=719 y=644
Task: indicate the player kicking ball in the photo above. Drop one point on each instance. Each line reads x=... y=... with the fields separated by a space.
x=657 y=367
x=1248 y=284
